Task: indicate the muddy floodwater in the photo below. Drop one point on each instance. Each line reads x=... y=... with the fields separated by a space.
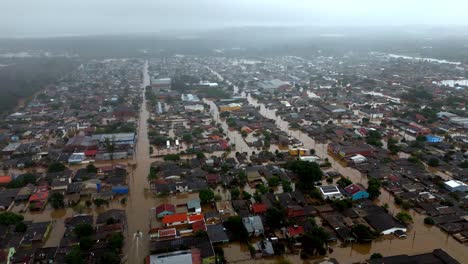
x=140 y=199
x=420 y=237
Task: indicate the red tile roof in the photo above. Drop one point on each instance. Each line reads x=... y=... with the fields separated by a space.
x=5 y=179
x=165 y=207
x=168 y=219
x=259 y=208
x=353 y=189
x=199 y=226
x=195 y=218
x=167 y=232
x=294 y=231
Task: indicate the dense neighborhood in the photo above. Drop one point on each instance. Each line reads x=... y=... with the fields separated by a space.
x=221 y=159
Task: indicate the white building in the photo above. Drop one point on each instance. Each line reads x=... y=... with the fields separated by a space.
x=454 y=185
x=330 y=192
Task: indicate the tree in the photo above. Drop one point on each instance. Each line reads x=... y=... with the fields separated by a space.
x=74 y=256
x=110 y=258
x=91 y=168
x=429 y=221
x=376 y=256
x=433 y=162
x=362 y=232
x=99 y=202
x=343 y=204
x=172 y=157
x=21 y=227
x=246 y=195
x=235 y=193
x=22 y=180
x=56 y=200
x=374 y=188
x=286 y=186
x=236 y=227
x=343 y=182
x=374 y=137
x=273 y=181
x=206 y=195
x=56 y=167
x=275 y=217
x=9 y=218
x=86 y=243
x=392 y=145
x=314 y=242
x=421 y=138
x=83 y=230
x=404 y=217
x=116 y=242
x=308 y=172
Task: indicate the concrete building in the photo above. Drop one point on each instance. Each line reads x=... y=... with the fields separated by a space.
x=330 y=192
x=454 y=185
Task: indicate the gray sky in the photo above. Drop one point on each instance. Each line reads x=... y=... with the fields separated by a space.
x=82 y=17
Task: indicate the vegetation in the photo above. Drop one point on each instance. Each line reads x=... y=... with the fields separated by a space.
x=374 y=138
x=235 y=226
x=429 y=221
x=314 y=242
x=275 y=217
x=9 y=218
x=56 y=167
x=376 y=256
x=56 y=200
x=91 y=168
x=83 y=230
x=74 y=256
x=392 y=145
x=206 y=195
x=404 y=217
x=343 y=182
x=308 y=172
x=362 y=232
x=433 y=162
x=22 y=180
x=172 y=157
x=374 y=188
x=21 y=227
x=235 y=193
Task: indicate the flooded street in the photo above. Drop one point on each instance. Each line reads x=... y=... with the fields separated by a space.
x=420 y=238
x=140 y=200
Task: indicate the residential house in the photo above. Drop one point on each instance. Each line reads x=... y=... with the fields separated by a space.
x=356 y=192
x=253 y=225
x=165 y=209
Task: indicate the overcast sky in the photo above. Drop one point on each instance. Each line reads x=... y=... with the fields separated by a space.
x=83 y=17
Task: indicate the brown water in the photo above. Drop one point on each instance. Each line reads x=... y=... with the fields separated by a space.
x=420 y=238
x=140 y=200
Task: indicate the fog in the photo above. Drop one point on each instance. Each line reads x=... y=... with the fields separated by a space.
x=20 y=18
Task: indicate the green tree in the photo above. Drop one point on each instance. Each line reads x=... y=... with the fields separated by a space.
x=246 y=195
x=56 y=167
x=376 y=256
x=429 y=221
x=74 y=256
x=314 y=242
x=404 y=217
x=236 y=227
x=308 y=172
x=22 y=180
x=86 y=243
x=286 y=186
x=362 y=232
x=206 y=195
x=275 y=217
x=235 y=193
x=83 y=230
x=110 y=258
x=433 y=162
x=343 y=182
x=116 y=242
x=21 y=227
x=374 y=138
x=56 y=200
x=91 y=168
x=374 y=188
x=110 y=147
x=273 y=181
x=10 y=218
x=172 y=157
